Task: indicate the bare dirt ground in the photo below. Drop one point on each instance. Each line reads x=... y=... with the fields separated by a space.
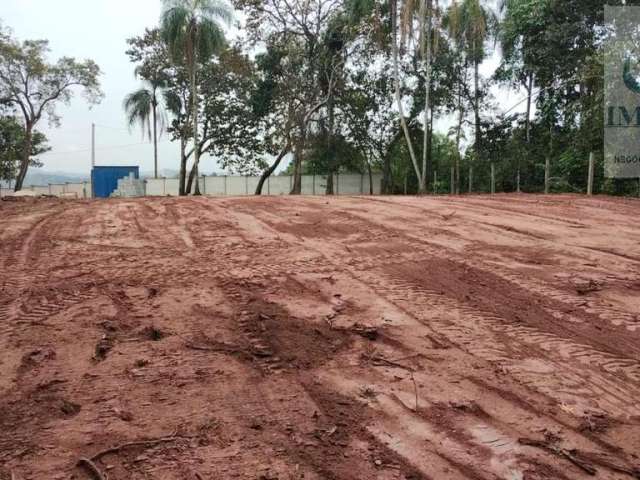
x=316 y=338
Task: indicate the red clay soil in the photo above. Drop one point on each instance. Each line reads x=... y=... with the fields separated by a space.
x=320 y=338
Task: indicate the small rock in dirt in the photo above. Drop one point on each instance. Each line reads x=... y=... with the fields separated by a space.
x=596 y=422
x=365 y=331
x=255 y=424
x=268 y=476
x=108 y=326
x=69 y=408
x=153 y=333
x=103 y=347
x=587 y=286
x=37 y=356
x=142 y=362
x=124 y=415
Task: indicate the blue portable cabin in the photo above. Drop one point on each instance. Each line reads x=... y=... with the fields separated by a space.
x=104 y=180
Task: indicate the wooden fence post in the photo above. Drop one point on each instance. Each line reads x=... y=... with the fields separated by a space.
x=493 y=178
x=453 y=180
x=547 y=168
x=590 y=175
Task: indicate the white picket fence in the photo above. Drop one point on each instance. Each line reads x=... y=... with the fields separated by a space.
x=343 y=184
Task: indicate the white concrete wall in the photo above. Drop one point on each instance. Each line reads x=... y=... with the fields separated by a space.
x=236 y=186
x=155 y=187
x=215 y=186
x=278 y=185
x=343 y=184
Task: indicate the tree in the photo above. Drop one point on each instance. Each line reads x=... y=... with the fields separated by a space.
x=371 y=124
x=34 y=87
x=296 y=34
x=12 y=144
x=192 y=33
x=143 y=107
x=153 y=64
x=470 y=25
x=425 y=13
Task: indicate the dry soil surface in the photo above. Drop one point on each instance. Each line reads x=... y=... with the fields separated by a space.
x=320 y=338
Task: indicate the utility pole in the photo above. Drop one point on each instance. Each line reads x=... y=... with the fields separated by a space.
x=93 y=145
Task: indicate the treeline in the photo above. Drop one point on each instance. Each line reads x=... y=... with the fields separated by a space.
x=358 y=85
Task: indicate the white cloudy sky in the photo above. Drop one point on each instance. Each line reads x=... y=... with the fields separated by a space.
x=98 y=29
x=95 y=29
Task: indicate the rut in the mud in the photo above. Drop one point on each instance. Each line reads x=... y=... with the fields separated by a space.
x=347 y=338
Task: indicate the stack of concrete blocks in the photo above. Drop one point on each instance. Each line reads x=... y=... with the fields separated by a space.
x=129 y=187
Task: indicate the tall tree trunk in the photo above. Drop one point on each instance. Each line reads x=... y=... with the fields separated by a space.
x=529 y=88
x=430 y=167
x=26 y=156
x=155 y=139
x=425 y=14
x=269 y=171
x=387 y=180
x=297 y=166
x=458 y=136
x=529 y=101
x=332 y=163
x=476 y=105
x=196 y=149
x=547 y=163
x=329 y=190
x=183 y=167
x=396 y=77
x=370 y=177
x=192 y=173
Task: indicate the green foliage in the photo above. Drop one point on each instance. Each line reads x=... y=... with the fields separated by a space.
x=320 y=85
x=34 y=87
x=191 y=30
x=12 y=144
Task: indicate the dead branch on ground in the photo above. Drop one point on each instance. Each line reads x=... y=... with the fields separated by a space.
x=415 y=388
x=561 y=452
x=139 y=443
x=91 y=468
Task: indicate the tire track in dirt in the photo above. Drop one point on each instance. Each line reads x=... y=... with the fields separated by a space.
x=298 y=420
x=416 y=307
x=616 y=397
x=427 y=250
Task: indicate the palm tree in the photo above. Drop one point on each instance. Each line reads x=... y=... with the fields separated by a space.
x=143 y=107
x=396 y=78
x=425 y=11
x=469 y=23
x=191 y=30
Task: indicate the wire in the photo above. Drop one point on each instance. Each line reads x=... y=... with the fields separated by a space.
x=112 y=128
x=533 y=96
x=112 y=147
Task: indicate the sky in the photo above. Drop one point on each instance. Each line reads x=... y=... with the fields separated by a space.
x=98 y=29
x=95 y=29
